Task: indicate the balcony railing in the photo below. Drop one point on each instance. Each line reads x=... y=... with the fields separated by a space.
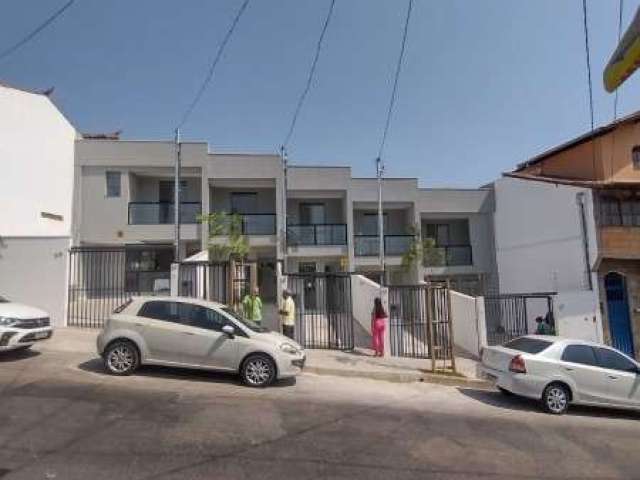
x=368 y=245
x=449 y=256
x=161 y=213
x=258 y=223
x=323 y=234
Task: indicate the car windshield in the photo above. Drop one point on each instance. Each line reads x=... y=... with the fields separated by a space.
x=528 y=345
x=250 y=324
x=3 y=300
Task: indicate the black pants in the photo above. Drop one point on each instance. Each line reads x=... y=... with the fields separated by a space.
x=287 y=331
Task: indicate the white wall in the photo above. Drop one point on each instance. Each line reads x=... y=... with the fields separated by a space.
x=578 y=316
x=36 y=151
x=540 y=248
x=468 y=321
x=539 y=245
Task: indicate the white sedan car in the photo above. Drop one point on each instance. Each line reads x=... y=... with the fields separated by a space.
x=560 y=371
x=21 y=326
x=187 y=332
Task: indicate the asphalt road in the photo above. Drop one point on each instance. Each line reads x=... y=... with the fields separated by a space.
x=61 y=417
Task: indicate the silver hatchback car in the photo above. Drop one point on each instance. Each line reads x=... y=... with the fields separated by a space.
x=187 y=332
x=560 y=371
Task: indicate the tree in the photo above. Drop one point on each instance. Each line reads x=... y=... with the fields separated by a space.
x=424 y=250
x=229 y=225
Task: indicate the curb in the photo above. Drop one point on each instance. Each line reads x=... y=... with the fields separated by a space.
x=404 y=377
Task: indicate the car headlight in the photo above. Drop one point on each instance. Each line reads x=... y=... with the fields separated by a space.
x=8 y=321
x=290 y=349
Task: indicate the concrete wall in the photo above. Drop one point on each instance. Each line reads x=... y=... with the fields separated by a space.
x=539 y=238
x=468 y=322
x=147 y=188
x=33 y=270
x=363 y=294
x=36 y=150
x=578 y=316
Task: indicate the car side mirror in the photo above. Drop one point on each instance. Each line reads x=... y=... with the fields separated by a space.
x=229 y=331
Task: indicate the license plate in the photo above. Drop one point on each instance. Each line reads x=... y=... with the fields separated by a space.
x=40 y=335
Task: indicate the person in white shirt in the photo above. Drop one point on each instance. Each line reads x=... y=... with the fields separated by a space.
x=287 y=314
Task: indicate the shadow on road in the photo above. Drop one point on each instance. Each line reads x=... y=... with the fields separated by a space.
x=95 y=365
x=513 y=402
x=15 y=355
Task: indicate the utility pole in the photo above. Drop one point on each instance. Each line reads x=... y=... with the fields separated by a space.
x=379 y=173
x=176 y=196
x=283 y=158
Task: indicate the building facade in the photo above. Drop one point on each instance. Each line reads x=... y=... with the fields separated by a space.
x=326 y=222
x=36 y=151
x=580 y=224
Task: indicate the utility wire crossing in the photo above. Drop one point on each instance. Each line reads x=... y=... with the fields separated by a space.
x=394 y=92
x=312 y=72
x=37 y=30
x=213 y=65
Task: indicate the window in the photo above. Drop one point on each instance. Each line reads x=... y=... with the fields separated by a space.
x=201 y=317
x=369 y=224
x=158 y=310
x=615 y=361
x=583 y=354
x=623 y=210
x=166 y=191
x=635 y=157
x=451 y=233
x=312 y=214
x=528 y=345
x=244 y=202
x=113 y=184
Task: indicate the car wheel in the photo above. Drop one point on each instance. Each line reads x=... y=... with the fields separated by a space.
x=121 y=358
x=258 y=371
x=505 y=392
x=555 y=399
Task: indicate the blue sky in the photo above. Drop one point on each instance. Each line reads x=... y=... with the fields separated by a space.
x=485 y=84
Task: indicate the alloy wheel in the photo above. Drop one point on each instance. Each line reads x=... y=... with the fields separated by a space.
x=258 y=371
x=121 y=359
x=556 y=399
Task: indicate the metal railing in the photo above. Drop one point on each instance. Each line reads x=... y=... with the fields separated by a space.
x=161 y=213
x=258 y=223
x=321 y=234
x=368 y=245
x=449 y=256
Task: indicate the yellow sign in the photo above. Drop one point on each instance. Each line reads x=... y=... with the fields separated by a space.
x=626 y=58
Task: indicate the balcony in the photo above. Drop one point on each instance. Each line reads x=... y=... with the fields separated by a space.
x=322 y=234
x=449 y=256
x=394 y=245
x=161 y=213
x=258 y=223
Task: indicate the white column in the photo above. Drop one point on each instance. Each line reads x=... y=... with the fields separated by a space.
x=205 y=199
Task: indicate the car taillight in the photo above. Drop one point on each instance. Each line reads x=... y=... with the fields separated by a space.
x=517 y=365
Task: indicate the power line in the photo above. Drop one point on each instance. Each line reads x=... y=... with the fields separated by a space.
x=213 y=65
x=395 y=81
x=35 y=32
x=615 y=99
x=312 y=72
x=586 y=46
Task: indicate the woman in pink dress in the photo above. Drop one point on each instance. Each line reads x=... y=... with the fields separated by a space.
x=378 y=317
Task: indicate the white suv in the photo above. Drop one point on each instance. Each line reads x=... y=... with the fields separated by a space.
x=21 y=326
x=187 y=332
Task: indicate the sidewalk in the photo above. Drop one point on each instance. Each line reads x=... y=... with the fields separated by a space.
x=358 y=363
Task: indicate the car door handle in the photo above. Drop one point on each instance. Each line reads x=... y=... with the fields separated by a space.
x=188 y=333
x=612 y=377
x=139 y=325
x=568 y=369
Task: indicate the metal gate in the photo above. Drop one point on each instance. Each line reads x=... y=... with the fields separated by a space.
x=207 y=281
x=512 y=315
x=101 y=279
x=420 y=323
x=324 y=317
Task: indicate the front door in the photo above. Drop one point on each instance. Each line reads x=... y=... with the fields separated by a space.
x=580 y=362
x=618 y=313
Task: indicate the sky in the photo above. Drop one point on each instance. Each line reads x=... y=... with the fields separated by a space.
x=484 y=86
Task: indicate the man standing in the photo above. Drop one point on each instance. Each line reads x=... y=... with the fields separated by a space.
x=287 y=314
x=252 y=306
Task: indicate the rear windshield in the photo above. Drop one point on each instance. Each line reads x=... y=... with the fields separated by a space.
x=528 y=345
